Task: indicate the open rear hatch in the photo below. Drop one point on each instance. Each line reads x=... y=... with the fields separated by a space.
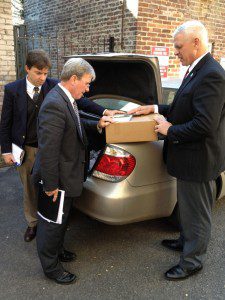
x=125 y=75
x=120 y=79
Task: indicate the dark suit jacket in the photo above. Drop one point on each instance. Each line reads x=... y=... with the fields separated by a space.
x=14 y=112
x=194 y=147
x=60 y=161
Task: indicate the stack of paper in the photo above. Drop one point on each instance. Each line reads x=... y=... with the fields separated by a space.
x=122 y=117
x=18 y=154
x=129 y=106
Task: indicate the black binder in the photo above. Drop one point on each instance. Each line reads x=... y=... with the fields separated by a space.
x=47 y=209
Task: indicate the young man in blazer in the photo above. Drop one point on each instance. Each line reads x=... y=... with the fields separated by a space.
x=21 y=104
x=60 y=161
x=194 y=144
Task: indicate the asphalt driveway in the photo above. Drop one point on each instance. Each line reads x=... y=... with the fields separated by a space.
x=114 y=262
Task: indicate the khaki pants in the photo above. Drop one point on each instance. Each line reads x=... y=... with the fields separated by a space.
x=30 y=196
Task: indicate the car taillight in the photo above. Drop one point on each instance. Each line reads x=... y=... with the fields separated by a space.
x=115 y=164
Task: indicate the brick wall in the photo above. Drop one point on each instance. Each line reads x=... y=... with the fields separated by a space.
x=84 y=26
x=81 y=25
x=7 y=58
x=158 y=19
x=86 y=21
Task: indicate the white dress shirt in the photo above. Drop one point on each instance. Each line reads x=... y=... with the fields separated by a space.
x=72 y=100
x=30 y=88
x=191 y=67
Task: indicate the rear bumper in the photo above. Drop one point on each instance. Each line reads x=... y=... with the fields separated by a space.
x=120 y=203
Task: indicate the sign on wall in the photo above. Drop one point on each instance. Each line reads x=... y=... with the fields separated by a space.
x=163 y=55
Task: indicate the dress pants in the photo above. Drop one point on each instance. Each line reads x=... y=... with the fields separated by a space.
x=50 y=238
x=29 y=189
x=195 y=201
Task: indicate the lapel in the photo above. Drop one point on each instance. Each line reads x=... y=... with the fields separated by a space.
x=71 y=110
x=22 y=95
x=190 y=77
x=45 y=88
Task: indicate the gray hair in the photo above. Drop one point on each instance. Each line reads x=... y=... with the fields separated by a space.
x=78 y=67
x=195 y=28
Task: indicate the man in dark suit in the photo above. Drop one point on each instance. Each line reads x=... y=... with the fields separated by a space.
x=21 y=104
x=60 y=161
x=194 y=144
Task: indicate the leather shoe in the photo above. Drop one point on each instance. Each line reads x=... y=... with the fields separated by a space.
x=67 y=256
x=173 y=245
x=65 y=278
x=30 y=233
x=178 y=273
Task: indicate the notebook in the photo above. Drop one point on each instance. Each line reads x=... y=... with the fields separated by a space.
x=49 y=210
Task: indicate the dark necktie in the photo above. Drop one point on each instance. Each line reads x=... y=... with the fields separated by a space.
x=36 y=93
x=186 y=74
x=77 y=115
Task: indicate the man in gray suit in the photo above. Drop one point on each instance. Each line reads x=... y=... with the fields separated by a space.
x=61 y=159
x=194 y=144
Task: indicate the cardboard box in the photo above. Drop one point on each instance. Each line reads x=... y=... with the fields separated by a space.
x=138 y=129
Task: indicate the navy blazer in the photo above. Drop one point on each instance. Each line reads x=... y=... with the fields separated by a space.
x=194 y=146
x=14 y=112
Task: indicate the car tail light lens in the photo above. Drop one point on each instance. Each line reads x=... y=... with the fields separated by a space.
x=114 y=165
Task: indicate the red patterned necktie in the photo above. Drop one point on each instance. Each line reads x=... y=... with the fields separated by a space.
x=186 y=74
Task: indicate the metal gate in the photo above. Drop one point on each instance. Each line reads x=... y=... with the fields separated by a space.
x=57 y=46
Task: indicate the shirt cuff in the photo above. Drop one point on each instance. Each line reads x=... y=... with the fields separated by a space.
x=156 y=108
x=104 y=112
x=6 y=153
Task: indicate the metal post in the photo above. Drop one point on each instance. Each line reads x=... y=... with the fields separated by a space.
x=57 y=55
x=104 y=44
x=49 y=51
x=111 y=43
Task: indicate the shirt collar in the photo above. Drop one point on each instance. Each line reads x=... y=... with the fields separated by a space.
x=67 y=93
x=196 y=62
x=30 y=87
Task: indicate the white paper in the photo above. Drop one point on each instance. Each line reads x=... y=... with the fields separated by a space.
x=18 y=154
x=60 y=213
x=129 y=106
x=120 y=118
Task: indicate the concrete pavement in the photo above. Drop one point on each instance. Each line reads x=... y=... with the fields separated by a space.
x=114 y=262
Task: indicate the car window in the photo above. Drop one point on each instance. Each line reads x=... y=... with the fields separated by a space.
x=110 y=103
x=168 y=95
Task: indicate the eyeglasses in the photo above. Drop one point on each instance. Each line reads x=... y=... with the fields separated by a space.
x=87 y=84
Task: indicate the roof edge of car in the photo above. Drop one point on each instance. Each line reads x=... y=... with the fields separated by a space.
x=110 y=54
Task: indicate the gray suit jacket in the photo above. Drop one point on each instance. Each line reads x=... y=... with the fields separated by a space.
x=60 y=160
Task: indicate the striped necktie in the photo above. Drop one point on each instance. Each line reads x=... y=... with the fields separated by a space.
x=36 y=93
x=77 y=115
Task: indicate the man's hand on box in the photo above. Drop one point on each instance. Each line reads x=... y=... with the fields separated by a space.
x=142 y=110
x=162 y=125
x=105 y=121
x=111 y=113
